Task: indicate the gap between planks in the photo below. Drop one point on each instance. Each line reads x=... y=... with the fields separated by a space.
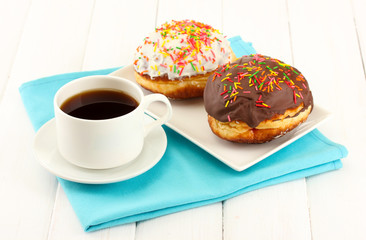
x=10 y=70
x=358 y=37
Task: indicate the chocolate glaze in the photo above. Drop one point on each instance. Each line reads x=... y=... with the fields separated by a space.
x=258 y=88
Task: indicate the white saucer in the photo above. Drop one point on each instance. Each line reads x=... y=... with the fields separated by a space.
x=45 y=149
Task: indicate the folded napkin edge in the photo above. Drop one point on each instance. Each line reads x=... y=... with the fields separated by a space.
x=303 y=173
x=320 y=136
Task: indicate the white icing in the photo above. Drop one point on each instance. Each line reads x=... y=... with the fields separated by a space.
x=152 y=57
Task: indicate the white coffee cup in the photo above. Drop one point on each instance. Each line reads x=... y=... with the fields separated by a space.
x=106 y=143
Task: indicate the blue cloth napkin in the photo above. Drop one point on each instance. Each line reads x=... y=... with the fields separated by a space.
x=186 y=176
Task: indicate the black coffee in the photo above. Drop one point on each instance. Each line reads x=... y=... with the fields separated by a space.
x=98 y=104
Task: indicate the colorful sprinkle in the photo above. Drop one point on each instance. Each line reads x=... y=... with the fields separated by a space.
x=200 y=46
x=263 y=75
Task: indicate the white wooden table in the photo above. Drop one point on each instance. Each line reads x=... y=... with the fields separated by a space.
x=326 y=40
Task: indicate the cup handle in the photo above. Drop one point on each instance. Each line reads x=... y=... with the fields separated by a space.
x=157 y=97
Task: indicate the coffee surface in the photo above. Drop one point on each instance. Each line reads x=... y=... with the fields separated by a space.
x=99 y=104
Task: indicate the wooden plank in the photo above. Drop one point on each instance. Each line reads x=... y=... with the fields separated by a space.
x=44 y=49
x=358 y=10
x=263 y=23
x=278 y=212
x=116 y=32
x=206 y=11
x=14 y=12
x=332 y=63
x=198 y=223
x=53 y=40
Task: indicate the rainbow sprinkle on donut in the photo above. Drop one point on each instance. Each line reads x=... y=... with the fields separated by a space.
x=182 y=49
x=255 y=88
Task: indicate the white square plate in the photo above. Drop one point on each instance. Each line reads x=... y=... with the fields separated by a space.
x=190 y=120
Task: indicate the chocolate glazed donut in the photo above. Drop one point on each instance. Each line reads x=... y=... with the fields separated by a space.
x=255 y=99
